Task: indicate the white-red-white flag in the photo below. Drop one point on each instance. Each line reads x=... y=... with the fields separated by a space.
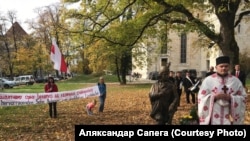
x=57 y=58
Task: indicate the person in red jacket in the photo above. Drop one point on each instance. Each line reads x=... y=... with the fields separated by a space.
x=90 y=106
x=48 y=88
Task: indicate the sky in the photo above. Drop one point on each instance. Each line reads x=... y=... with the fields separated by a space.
x=24 y=9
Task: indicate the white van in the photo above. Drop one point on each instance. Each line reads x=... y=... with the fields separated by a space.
x=25 y=80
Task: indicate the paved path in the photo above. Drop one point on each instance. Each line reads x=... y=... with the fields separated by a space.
x=141 y=80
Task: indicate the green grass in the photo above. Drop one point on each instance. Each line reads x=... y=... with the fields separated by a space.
x=92 y=79
x=77 y=82
x=125 y=105
x=247 y=82
x=74 y=83
x=32 y=122
x=39 y=87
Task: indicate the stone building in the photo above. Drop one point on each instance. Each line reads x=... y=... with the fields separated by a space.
x=186 y=53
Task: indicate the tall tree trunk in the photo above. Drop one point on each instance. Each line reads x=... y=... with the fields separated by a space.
x=9 y=59
x=123 y=69
x=229 y=47
x=117 y=69
x=226 y=41
x=126 y=61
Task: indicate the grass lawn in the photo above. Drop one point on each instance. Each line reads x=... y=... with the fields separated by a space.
x=125 y=105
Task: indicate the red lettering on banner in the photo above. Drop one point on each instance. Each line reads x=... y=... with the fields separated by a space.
x=29 y=97
x=68 y=94
x=17 y=97
x=14 y=99
x=44 y=96
x=84 y=91
x=11 y=97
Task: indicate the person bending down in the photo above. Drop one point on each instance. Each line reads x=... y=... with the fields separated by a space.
x=90 y=106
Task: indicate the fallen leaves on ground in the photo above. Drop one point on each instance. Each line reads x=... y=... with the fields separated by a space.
x=122 y=107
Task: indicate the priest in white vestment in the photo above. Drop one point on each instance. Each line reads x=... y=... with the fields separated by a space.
x=222 y=97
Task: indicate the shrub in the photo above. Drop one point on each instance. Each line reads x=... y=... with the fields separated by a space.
x=192 y=118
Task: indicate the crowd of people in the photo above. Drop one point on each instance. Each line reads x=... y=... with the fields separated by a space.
x=220 y=97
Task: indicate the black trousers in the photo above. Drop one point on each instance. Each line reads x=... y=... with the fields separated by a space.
x=179 y=91
x=188 y=93
x=52 y=110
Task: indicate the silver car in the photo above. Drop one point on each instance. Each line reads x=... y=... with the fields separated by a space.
x=5 y=83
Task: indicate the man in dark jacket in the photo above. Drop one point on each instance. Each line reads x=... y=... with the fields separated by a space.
x=179 y=83
x=240 y=74
x=188 y=82
x=211 y=71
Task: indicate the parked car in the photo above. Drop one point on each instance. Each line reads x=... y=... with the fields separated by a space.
x=1 y=85
x=153 y=75
x=55 y=78
x=17 y=81
x=40 y=80
x=5 y=83
x=25 y=80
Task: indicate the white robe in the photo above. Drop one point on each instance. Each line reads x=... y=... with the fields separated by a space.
x=221 y=112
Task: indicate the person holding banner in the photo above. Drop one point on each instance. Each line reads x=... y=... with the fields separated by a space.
x=48 y=88
x=102 y=88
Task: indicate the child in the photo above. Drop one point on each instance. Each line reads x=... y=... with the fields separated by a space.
x=90 y=106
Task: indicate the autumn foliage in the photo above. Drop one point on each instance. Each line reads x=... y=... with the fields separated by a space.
x=125 y=105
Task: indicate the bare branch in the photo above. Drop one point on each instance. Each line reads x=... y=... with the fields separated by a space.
x=181 y=9
x=241 y=15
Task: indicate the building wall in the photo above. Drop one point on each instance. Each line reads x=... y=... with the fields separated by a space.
x=242 y=34
x=194 y=60
x=199 y=58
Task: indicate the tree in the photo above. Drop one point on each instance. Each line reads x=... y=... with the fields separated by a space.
x=121 y=55
x=245 y=61
x=182 y=15
x=12 y=39
x=225 y=11
x=47 y=26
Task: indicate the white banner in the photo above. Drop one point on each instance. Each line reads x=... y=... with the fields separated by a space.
x=18 y=99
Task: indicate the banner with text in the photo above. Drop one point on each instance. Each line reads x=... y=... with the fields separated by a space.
x=18 y=99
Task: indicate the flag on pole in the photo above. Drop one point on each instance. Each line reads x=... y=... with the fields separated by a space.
x=57 y=58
